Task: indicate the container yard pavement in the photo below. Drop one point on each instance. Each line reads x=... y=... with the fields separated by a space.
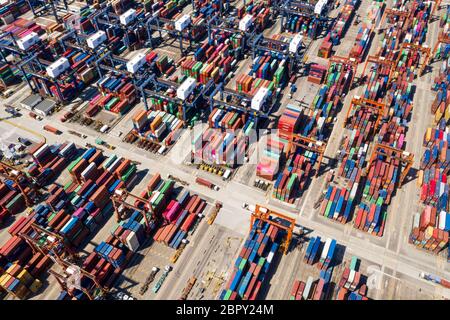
x=407 y=263
x=393 y=264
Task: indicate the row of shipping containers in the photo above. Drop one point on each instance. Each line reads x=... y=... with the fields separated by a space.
x=351 y=285
x=320 y=289
x=315 y=123
x=368 y=196
x=253 y=263
x=431 y=225
x=158 y=126
x=365 y=31
x=339 y=27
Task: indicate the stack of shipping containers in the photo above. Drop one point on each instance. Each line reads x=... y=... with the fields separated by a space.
x=431 y=225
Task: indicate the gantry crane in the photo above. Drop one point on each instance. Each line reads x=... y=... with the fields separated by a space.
x=437 y=4
x=380 y=61
x=418 y=48
x=403 y=16
x=406 y=158
x=297 y=140
x=442 y=38
x=63 y=280
x=54 y=246
x=350 y=62
x=265 y=214
x=119 y=203
x=18 y=177
x=366 y=103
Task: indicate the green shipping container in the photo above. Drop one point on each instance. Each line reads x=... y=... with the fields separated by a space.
x=74 y=163
x=242 y=264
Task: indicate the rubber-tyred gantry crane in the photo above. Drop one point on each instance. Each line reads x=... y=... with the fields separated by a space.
x=119 y=203
x=18 y=177
x=264 y=214
x=54 y=246
x=297 y=140
x=406 y=158
x=442 y=38
x=403 y=16
x=425 y=50
x=63 y=280
x=366 y=103
x=380 y=61
x=350 y=62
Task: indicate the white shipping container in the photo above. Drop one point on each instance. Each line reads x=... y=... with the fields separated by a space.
x=245 y=22
x=308 y=286
x=351 y=277
x=326 y=247
x=88 y=169
x=353 y=191
x=27 y=41
x=114 y=165
x=183 y=22
x=162 y=149
x=66 y=149
x=136 y=62
x=270 y=257
x=226 y=174
x=442 y=217
x=132 y=241
x=127 y=17
x=154 y=197
x=259 y=98
x=318 y=8
x=96 y=39
x=57 y=67
x=186 y=88
x=160 y=130
x=416 y=220
x=41 y=150
x=296 y=42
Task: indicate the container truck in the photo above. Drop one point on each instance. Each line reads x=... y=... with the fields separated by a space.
x=51 y=129
x=206 y=183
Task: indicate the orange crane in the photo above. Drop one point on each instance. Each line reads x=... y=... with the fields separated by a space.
x=297 y=140
x=263 y=214
x=366 y=103
x=437 y=4
x=379 y=61
x=350 y=62
x=406 y=158
x=402 y=15
x=49 y=244
x=414 y=47
x=442 y=38
x=119 y=203
x=69 y=269
x=55 y=247
x=17 y=176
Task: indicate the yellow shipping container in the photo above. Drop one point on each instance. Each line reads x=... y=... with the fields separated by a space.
x=3 y=279
x=156 y=123
x=25 y=277
x=11 y=268
x=428 y=134
x=420 y=178
x=447 y=114
x=438 y=116
x=34 y=287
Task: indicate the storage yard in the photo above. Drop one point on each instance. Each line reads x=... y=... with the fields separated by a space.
x=230 y=150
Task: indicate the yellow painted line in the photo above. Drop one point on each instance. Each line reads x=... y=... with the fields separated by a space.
x=25 y=129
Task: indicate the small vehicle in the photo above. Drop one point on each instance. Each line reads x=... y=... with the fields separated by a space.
x=8 y=93
x=24 y=141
